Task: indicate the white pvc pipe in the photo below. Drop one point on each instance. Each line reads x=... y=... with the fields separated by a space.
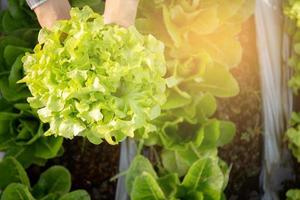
x=127 y=153
x=276 y=96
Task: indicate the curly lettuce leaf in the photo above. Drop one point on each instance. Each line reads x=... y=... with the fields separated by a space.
x=95 y=80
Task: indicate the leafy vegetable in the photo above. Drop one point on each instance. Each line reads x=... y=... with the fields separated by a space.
x=291 y=10
x=292 y=24
x=293 y=194
x=293 y=135
x=201 y=48
x=21 y=132
x=16 y=191
x=11 y=171
x=54 y=183
x=205 y=179
x=21 y=135
x=95 y=80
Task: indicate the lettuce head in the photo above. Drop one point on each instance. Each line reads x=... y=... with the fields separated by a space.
x=95 y=80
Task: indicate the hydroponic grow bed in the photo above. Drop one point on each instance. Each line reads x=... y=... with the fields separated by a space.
x=191 y=96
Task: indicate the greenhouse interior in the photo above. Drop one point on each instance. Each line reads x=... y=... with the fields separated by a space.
x=150 y=100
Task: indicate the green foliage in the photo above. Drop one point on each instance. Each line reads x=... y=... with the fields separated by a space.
x=11 y=171
x=293 y=194
x=292 y=11
x=54 y=184
x=293 y=135
x=198 y=50
x=97 y=6
x=106 y=82
x=56 y=180
x=21 y=132
x=202 y=46
x=205 y=179
x=102 y=82
x=18 y=19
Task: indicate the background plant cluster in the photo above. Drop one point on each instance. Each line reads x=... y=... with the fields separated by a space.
x=291 y=10
x=202 y=46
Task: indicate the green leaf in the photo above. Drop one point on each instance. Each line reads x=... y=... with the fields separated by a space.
x=11 y=171
x=16 y=73
x=9 y=116
x=15 y=9
x=11 y=53
x=10 y=40
x=48 y=147
x=227 y=133
x=169 y=184
x=6 y=139
x=205 y=176
x=219 y=82
x=138 y=166
x=211 y=134
x=16 y=191
x=206 y=106
x=146 y=187
x=55 y=180
x=76 y=195
x=9 y=23
x=10 y=94
x=51 y=197
x=174 y=163
x=23 y=154
x=97 y=6
x=175 y=100
x=293 y=194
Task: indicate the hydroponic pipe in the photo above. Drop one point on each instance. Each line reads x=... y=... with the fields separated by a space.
x=127 y=153
x=276 y=96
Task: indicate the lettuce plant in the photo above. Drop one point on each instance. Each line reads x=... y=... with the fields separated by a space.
x=53 y=184
x=95 y=80
x=22 y=135
x=293 y=194
x=292 y=23
x=292 y=11
x=293 y=135
x=202 y=45
x=205 y=179
x=21 y=132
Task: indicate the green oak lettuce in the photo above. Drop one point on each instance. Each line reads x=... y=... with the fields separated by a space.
x=95 y=80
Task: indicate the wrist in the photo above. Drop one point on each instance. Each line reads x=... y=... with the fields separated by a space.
x=121 y=12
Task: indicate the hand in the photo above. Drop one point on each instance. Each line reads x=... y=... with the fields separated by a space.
x=121 y=12
x=51 y=11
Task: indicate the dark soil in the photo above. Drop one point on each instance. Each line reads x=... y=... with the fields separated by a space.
x=245 y=110
x=91 y=167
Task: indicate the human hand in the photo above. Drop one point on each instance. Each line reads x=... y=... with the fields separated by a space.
x=51 y=11
x=121 y=12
